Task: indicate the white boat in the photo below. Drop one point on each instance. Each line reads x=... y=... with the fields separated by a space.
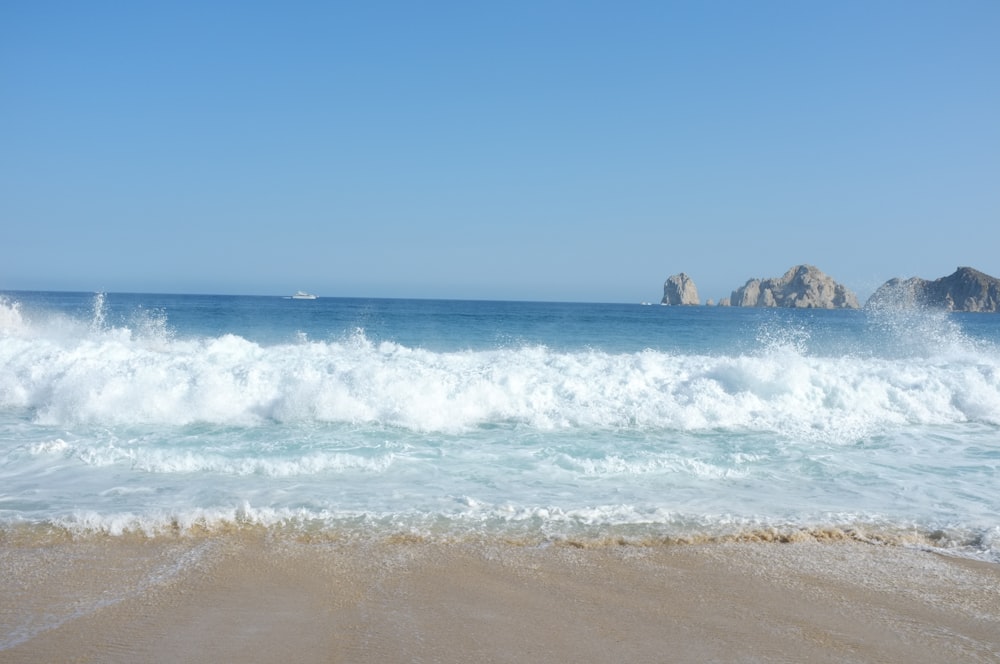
x=302 y=295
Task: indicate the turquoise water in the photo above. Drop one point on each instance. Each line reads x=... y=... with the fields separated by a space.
x=542 y=421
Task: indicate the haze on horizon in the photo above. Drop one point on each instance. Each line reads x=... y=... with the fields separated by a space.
x=578 y=151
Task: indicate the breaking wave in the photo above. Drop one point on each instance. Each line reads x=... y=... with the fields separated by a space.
x=65 y=373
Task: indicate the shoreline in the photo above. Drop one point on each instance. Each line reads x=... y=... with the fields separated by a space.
x=256 y=597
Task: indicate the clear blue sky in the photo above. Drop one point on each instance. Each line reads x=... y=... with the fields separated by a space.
x=496 y=150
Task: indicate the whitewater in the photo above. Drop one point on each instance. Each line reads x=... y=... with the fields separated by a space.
x=536 y=422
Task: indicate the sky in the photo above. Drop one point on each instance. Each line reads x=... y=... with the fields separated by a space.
x=539 y=150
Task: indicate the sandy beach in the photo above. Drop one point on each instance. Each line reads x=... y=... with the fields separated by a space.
x=260 y=598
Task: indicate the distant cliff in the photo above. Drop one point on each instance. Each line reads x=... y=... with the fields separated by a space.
x=802 y=287
x=679 y=289
x=964 y=290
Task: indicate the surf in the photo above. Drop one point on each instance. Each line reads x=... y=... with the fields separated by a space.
x=196 y=413
x=144 y=374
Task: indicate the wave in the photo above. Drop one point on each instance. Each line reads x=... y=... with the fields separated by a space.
x=60 y=371
x=179 y=458
x=598 y=527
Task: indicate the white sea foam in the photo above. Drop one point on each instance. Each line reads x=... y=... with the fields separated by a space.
x=57 y=446
x=662 y=464
x=116 y=376
x=11 y=320
x=165 y=460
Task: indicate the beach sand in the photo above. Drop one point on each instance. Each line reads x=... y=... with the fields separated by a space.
x=256 y=597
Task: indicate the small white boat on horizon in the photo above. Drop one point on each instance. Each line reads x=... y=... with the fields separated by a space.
x=302 y=295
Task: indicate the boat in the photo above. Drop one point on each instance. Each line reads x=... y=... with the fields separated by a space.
x=302 y=295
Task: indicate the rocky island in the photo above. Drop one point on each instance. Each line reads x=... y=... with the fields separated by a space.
x=807 y=287
x=964 y=290
x=802 y=287
x=679 y=289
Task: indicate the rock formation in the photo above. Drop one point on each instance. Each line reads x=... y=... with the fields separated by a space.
x=964 y=290
x=679 y=289
x=802 y=287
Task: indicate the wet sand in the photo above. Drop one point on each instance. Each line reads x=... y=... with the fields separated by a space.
x=259 y=598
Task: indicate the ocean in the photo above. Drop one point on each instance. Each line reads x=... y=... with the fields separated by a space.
x=166 y=415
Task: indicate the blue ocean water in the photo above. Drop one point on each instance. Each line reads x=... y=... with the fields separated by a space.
x=164 y=414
